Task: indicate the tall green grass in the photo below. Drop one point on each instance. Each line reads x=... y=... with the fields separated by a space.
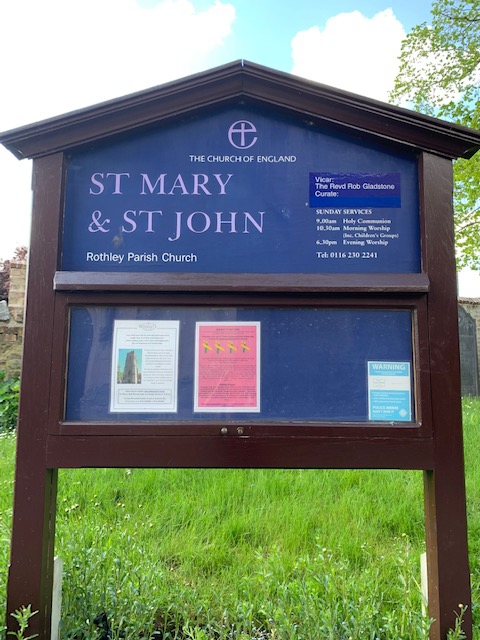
x=7 y=454
x=300 y=554
x=236 y=554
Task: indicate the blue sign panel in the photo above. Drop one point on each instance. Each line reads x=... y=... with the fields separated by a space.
x=355 y=190
x=241 y=191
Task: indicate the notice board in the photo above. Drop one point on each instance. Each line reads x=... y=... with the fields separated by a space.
x=248 y=364
x=241 y=269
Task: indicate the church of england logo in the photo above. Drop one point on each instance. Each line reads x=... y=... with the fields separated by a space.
x=241 y=134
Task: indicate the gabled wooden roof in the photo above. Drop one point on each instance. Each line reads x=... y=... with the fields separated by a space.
x=248 y=83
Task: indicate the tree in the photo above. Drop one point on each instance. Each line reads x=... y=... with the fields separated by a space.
x=440 y=75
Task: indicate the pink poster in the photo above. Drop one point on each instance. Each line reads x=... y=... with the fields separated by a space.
x=227 y=367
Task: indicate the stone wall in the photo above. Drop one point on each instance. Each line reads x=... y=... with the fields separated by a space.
x=11 y=321
x=472 y=306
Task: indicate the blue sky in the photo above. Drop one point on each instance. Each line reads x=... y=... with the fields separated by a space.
x=63 y=55
x=264 y=29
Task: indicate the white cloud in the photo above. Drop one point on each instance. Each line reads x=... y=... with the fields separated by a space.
x=15 y=203
x=65 y=54
x=60 y=55
x=352 y=52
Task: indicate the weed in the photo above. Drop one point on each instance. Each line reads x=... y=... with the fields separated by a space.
x=23 y=616
x=457 y=632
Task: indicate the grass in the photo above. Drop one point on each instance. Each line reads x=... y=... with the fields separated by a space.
x=7 y=455
x=232 y=547
x=235 y=554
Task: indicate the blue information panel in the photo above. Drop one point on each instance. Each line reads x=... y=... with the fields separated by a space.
x=242 y=191
x=291 y=364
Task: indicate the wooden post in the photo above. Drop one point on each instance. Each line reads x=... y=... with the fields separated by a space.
x=445 y=509
x=33 y=534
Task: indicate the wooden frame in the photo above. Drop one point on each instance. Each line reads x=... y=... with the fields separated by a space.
x=433 y=444
x=199 y=430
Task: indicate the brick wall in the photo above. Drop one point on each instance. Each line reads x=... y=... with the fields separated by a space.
x=11 y=321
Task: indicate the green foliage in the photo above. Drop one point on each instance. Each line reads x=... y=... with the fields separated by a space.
x=23 y=616
x=9 y=394
x=7 y=456
x=439 y=75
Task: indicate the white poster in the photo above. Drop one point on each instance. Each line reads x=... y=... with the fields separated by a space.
x=144 y=366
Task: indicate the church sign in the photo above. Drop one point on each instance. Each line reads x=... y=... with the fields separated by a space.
x=241 y=269
x=240 y=191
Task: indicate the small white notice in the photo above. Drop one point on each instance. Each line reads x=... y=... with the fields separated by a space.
x=144 y=366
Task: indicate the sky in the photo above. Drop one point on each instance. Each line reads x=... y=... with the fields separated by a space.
x=62 y=55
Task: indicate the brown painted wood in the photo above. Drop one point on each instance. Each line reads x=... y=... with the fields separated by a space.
x=225 y=451
x=445 y=509
x=302 y=282
x=233 y=83
x=422 y=428
x=231 y=297
x=295 y=431
x=361 y=114
x=31 y=569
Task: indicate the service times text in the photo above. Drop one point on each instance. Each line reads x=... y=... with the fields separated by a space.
x=358 y=234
